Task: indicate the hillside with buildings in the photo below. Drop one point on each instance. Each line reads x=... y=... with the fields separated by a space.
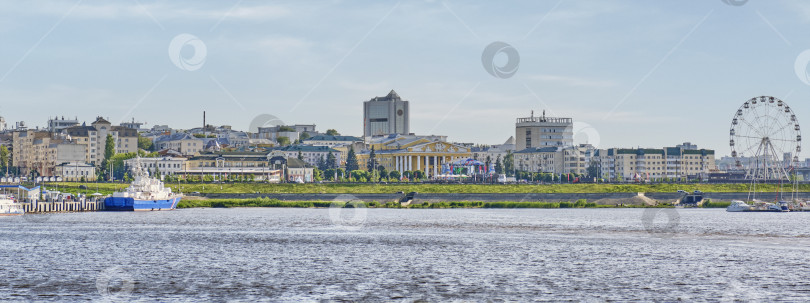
x=541 y=148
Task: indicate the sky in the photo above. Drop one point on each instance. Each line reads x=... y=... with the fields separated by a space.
x=630 y=73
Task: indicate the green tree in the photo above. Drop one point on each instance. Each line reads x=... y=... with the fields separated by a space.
x=282 y=140
x=145 y=143
x=498 y=165
x=394 y=175
x=321 y=163
x=372 y=160
x=488 y=162
x=331 y=161
x=109 y=152
x=317 y=174
x=4 y=159
x=593 y=169
x=509 y=163
x=300 y=156
x=332 y=132
x=304 y=136
x=418 y=174
x=351 y=161
x=109 y=147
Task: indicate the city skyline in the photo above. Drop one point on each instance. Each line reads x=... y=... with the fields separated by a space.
x=677 y=78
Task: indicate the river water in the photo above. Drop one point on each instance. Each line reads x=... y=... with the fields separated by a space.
x=272 y=254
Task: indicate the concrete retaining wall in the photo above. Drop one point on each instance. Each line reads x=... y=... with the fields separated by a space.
x=486 y=197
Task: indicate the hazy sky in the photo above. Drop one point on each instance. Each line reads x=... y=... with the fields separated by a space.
x=641 y=73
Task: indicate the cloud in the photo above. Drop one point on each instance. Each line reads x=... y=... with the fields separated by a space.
x=159 y=11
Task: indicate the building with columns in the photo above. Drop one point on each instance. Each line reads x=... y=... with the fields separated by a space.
x=412 y=153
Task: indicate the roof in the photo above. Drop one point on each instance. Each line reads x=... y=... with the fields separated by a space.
x=639 y=151
x=101 y=120
x=698 y=152
x=333 y=138
x=511 y=141
x=537 y=150
x=176 y=136
x=392 y=96
x=296 y=163
x=306 y=148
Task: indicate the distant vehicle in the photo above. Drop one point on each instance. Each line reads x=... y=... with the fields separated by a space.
x=697 y=192
x=681 y=191
x=400 y=192
x=195 y=193
x=82 y=186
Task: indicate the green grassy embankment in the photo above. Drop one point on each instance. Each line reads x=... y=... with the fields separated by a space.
x=330 y=188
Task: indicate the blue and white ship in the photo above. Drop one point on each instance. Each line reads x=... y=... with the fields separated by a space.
x=144 y=194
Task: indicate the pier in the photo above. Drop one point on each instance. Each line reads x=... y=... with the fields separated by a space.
x=62 y=206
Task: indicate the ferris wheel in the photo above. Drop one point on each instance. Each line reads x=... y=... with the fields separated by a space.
x=765 y=138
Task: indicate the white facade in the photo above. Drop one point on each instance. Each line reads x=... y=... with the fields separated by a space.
x=164 y=165
x=75 y=171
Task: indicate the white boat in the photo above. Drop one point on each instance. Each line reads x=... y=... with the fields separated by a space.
x=738 y=206
x=9 y=207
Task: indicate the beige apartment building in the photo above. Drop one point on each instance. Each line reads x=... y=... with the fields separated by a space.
x=94 y=137
x=649 y=164
x=41 y=151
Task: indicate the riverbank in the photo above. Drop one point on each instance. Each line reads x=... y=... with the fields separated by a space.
x=371 y=188
x=266 y=202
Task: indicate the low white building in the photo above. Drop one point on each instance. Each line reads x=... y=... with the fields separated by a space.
x=164 y=165
x=75 y=171
x=331 y=141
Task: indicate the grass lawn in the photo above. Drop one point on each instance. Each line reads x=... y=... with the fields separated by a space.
x=106 y=188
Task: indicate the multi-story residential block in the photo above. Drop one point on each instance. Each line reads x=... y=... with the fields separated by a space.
x=95 y=138
x=543 y=132
x=655 y=164
x=56 y=124
x=542 y=160
x=386 y=115
x=41 y=151
x=182 y=143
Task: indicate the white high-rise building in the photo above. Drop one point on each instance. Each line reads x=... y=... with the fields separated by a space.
x=386 y=115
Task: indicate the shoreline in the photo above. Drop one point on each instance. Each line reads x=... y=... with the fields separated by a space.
x=274 y=203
